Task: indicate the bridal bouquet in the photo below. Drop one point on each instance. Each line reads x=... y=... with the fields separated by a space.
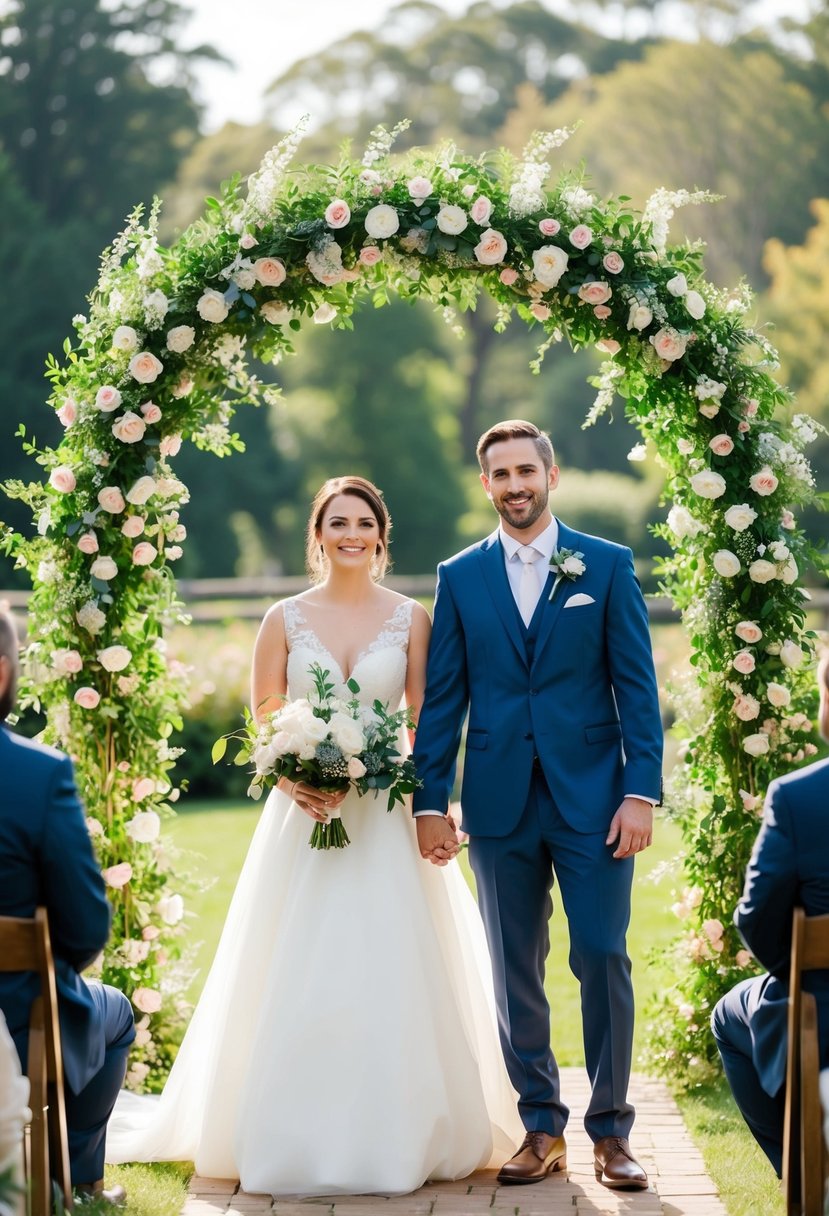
x=331 y=743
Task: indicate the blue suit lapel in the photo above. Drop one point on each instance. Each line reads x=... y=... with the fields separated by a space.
x=495 y=575
x=567 y=539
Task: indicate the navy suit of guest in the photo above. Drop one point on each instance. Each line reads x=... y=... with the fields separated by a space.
x=563 y=726
x=46 y=858
x=789 y=867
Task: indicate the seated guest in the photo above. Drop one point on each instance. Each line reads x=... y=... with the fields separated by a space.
x=789 y=867
x=46 y=858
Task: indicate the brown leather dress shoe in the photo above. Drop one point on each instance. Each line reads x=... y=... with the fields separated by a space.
x=616 y=1166
x=537 y=1157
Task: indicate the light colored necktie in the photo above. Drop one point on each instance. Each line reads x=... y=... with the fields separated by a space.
x=528 y=588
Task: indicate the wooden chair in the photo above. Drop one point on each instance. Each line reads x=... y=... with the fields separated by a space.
x=25 y=946
x=804 y=1152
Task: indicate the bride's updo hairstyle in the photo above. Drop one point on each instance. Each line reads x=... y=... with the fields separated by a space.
x=316 y=562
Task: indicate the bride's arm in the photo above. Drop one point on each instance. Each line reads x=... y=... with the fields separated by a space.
x=269 y=676
x=416 y=670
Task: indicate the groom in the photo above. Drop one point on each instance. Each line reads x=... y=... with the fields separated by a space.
x=541 y=633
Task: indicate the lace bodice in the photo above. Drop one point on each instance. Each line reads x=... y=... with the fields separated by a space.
x=380 y=669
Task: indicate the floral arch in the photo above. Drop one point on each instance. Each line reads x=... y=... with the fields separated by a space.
x=162 y=357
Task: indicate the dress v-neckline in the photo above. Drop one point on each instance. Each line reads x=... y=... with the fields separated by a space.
x=363 y=653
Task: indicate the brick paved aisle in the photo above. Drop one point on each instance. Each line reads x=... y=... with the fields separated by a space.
x=679 y=1183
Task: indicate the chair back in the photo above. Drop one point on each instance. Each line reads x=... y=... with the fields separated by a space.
x=25 y=945
x=804 y=1152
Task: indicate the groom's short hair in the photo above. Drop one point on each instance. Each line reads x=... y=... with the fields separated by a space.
x=515 y=428
x=9 y=647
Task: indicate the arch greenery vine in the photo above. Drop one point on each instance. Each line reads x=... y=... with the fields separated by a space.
x=163 y=357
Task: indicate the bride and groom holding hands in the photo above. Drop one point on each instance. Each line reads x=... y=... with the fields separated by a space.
x=359 y=1030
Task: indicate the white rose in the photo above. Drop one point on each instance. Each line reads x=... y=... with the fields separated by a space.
x=708 y=484
x=748 y=631
x=762 y=571
x=325 y=313
x=740 y=517
x=678 y=285
x=492 y=248
x=171 y=909
x=452 y=220
x=640 y=316
x=726 y=563
x=778 y=694
x=212 y=306
x=114 y=658
x=682 y=523
x=382 y=222
x=142 y=490
x=129 y=428
x=791 y=654
x=125 y=338
x=788 y=574
x=356 y=768
x=695 y=305
x=572 y=566
x=275 y=312
x=145 y=367
x=756 y=745
x=144 y=827
x=103 y=568
x=91 y=618
x=346 y=733
x=180 y=338
x=549 y=264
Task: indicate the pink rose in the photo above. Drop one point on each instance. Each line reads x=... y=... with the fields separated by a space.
x=420 y=188
x=743 y=959
x=144 y=553
x=602 y=312
x=107 y=399
x=87 y=698
x=142 y=788
x=746 y=708
x=541 y=312
x=248 y=241
x=709 y=409
x=145 y=367
x=750 y=801
x=596 y=292
x=370 y=255
x=743 y=662
x=549 y=226
x=581 y=236
x=481 y=210
x=613 y=262
x=147 y=1000
x=508 y=276
x=118 y=876
x=133 y=526
x=111 y=499
x=748 y=631
x=609 y=345
x=170 y=445
x=150 y=933
x=764 y=482
x=491 y=249
x=151 y=413
x=269 y=271
x=129 y=428
x=337 y=215
x=787 y=521
x=743 y=427
x=722 y=445
x=62 y=479
x=751 y=407
x=67 y=662
x=713 y=930
x=68 y=412
x=669 y=344
x=183 y=387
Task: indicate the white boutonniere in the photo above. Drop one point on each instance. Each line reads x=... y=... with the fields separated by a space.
x=566 y=564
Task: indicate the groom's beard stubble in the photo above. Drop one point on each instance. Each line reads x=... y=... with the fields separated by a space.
x=527 y=518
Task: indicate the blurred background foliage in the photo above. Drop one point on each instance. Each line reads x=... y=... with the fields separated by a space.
x=98 y=111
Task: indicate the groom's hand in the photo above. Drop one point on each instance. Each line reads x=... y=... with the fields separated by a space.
x=631 y=828
x=436 y=838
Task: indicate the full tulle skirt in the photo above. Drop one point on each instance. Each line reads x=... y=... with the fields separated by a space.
x=346 y=1040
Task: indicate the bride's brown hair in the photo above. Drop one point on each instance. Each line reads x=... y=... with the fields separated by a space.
x=315 y=561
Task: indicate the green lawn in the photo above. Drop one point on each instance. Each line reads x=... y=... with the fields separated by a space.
x=215 y=838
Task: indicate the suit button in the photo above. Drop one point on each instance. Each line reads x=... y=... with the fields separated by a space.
x=533 y=692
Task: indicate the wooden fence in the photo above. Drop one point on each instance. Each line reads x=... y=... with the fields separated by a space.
x=223 y=599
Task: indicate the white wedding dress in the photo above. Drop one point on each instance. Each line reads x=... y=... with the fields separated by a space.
x=345 y=1041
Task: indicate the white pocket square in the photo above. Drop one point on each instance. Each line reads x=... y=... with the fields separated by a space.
x=579 y=598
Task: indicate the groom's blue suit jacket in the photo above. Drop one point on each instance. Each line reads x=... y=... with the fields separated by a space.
x=582 y=697
x=789 y=867
x=46 y=858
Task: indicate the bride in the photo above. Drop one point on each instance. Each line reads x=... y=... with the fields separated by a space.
x=345 y=1041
